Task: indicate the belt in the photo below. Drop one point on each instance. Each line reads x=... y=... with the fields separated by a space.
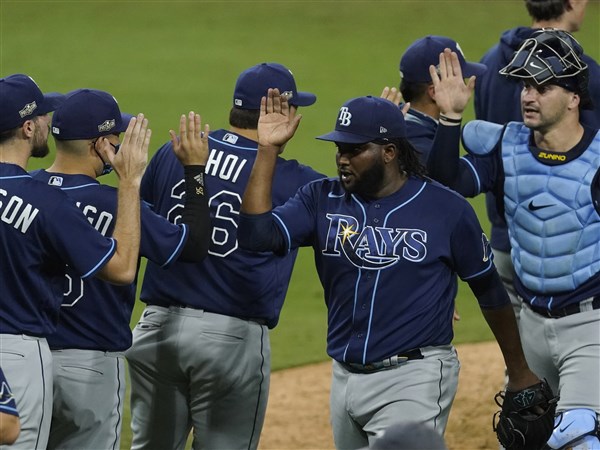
x=586 y=305
x=388 y=363
x=257 y=320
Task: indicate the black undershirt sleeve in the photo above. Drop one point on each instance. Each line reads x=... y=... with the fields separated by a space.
x=259 y=233
x=196 y=215
x=489 y=291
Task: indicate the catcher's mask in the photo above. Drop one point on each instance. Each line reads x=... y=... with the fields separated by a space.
x=552 y=57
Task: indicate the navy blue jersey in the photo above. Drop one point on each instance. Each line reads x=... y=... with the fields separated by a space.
x=41 y=231
x=388 y=266
x=95 y=314
x=230 y=280
x=7 y=401
x=420 y=132
x=498 y=100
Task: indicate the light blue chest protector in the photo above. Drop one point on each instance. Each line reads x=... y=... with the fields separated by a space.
x=553 y=226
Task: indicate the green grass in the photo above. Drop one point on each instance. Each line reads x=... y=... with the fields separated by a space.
x=164 y=58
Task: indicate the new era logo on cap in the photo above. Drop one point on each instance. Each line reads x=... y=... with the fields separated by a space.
x=253 y=84
x=365 y=119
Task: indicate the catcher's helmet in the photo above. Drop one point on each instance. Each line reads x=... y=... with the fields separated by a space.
x=551 y=57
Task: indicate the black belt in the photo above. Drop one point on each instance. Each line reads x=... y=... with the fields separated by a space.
x=567 y=310
x=388 y=363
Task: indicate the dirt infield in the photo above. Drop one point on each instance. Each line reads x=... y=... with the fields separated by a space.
x=298 y=412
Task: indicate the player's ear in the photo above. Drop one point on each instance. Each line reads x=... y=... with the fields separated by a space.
x=28 y=128
x=574 y=102
x=390 y=153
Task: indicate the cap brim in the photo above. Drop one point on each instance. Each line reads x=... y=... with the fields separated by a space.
x=345 y=138
x=125 y=118
x=476 y=69
x=303 y=99
x=52 y=101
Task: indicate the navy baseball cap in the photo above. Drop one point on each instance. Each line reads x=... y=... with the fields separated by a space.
x=366 y=119
x=88 y=114
x=414 y=64
x=253 y=84
x=21 y=99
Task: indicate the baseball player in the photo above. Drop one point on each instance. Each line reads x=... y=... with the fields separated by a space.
x=548 y=169
x=200 y=356
x=491 y=87
x=427 y=122
x=93 y=332
x=10 y=425
x=42 y=230
x=388 y=247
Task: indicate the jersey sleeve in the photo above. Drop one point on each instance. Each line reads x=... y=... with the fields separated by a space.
x=83 y=248
x=471 y=251
x=161 y=241
x=297 y=217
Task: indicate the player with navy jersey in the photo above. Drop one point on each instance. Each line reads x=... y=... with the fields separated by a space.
x=497 y=99
x=429 y=122
x=388 y=244
x=93 y=330
x=10 y=425
x=41 y=232
x=548 y=171
x=200 y=356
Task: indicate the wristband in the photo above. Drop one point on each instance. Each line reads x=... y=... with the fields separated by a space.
x=450 y=121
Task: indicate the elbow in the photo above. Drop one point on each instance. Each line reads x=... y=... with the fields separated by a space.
x=124 y=278
x=11 y=428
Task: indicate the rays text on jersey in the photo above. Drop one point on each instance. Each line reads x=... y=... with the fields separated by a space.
x=373 y=247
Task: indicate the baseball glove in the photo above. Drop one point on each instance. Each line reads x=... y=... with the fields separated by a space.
x=526 y=419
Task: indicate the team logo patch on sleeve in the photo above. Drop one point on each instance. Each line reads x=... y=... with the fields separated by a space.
x=486 y=247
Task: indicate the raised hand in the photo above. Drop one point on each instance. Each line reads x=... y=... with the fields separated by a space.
x=395 y=96
x=130 y=162
x=451 y=92
x=191 y=147
x=277 y=122
x=392 y=94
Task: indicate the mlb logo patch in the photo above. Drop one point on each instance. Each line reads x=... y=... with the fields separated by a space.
x=55 y=181
x=231 y=138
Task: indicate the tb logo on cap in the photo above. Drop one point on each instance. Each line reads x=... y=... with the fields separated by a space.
x=345 y=116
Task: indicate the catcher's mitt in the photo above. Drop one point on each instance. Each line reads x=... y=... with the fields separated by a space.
x=526 y=420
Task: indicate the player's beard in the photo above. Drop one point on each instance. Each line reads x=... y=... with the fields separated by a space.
x=40 y=143
x=369 y=182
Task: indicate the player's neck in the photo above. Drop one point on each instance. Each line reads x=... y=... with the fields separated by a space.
x=561 y=138
x=71 y=165
x=561 y=23
x=248 y=134
x=13 y=153
x=428 y=108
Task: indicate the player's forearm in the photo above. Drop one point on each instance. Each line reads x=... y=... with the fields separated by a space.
x=443 y=161
x=196 y=215
x=258 y=196
x=122 y=267
x=503 y=324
